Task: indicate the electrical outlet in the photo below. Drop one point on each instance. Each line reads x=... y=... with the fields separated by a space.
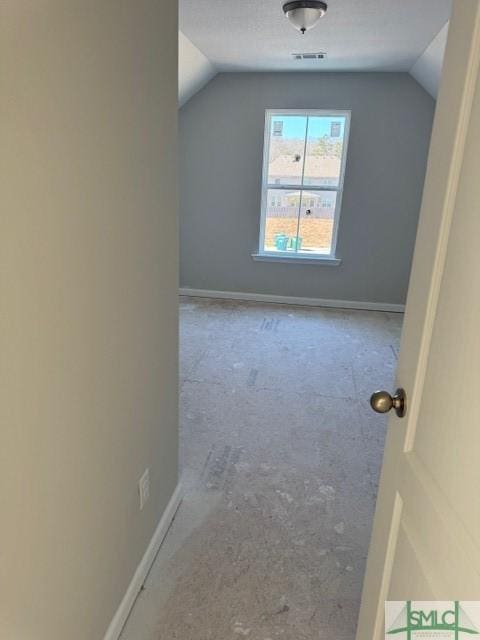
x=144 y=488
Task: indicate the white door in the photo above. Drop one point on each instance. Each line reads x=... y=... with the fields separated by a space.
x=426 y=537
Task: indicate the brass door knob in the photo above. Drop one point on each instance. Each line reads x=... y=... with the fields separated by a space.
x=383 y=402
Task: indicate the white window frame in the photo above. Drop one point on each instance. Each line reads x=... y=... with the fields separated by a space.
x=284 y=256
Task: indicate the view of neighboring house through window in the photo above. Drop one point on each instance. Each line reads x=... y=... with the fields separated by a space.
x=303 y=171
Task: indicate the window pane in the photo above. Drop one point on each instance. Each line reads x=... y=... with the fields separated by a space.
x=287 y=146
x=281 y=219
x=316 y=221
x=305 y=155
x=324 y=150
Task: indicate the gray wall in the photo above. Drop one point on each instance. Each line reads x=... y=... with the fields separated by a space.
x=221 y=146
x=88 y=323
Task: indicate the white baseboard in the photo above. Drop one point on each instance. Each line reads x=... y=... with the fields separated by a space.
x=123 y=611
x=293 y=300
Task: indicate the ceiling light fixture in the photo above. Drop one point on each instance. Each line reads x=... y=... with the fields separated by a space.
x=304 y=14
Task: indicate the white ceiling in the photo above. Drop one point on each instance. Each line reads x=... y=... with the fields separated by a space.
x=427 y=70
x=194 y=69
x=358 y=35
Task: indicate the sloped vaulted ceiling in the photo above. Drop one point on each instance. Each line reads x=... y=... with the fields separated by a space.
x=398 y=35
x=194 y=69
x=427 y=70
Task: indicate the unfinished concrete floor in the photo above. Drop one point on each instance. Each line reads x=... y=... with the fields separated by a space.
x=280 y=457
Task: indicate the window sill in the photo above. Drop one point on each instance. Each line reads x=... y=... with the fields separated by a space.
x=328 y=261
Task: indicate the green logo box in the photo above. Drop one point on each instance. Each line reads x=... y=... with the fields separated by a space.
x=435 y=620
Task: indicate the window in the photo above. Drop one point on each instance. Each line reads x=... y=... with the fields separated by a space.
x=303 y=171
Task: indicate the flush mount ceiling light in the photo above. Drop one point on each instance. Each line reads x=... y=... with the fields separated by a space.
x=304 y=14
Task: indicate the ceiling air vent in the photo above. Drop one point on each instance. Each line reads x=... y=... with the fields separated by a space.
x=320 y=55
